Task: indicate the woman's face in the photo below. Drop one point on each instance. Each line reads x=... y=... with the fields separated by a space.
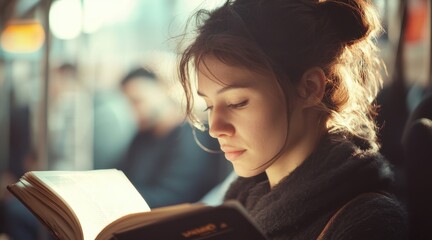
x=246 y=113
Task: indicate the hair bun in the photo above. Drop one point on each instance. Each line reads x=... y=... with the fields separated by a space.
x=349 y=18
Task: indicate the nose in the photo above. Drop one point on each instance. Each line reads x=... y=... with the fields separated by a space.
x=219 y=124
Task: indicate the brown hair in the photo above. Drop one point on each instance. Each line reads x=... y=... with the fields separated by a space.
x=285 y=38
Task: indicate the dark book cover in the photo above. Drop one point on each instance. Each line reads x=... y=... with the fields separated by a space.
x=229 y=221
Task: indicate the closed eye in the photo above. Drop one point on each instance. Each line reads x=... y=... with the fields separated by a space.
x=239 y=105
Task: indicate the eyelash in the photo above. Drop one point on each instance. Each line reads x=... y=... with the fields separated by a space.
x=232 y=106
x=239 y=105
x=208 y=108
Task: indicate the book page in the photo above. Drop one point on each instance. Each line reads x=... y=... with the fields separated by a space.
x=97 y=197
x=47 y=210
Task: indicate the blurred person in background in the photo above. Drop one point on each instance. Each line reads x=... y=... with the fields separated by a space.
x=164 y=161
x=68 y=108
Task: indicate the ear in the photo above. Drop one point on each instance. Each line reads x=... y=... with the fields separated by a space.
x=312 y=86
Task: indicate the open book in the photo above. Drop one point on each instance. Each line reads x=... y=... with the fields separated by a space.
x=103 y=204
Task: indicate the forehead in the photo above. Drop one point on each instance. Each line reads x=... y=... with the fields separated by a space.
x=212 y=69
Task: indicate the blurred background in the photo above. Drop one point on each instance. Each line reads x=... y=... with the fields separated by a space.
x=62 y=62
x=103 y=40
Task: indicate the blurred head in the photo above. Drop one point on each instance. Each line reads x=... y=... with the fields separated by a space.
x=301 y=60
x=66 y=73
x=146 y=95
x=64 y=79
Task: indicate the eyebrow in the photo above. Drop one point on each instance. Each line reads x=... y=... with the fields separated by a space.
x=226 y=88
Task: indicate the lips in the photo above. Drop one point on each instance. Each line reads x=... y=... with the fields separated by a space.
x=232 y=153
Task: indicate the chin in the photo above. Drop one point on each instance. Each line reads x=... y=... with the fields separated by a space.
x=247 y=172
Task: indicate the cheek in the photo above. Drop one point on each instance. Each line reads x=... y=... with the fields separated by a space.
x=268 y=130
x=276 y=133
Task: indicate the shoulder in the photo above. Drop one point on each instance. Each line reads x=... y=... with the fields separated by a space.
x=370 y=216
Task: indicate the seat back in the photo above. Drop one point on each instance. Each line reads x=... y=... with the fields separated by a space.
x=417 y=146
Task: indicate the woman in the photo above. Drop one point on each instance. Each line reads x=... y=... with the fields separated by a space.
x=289 y=87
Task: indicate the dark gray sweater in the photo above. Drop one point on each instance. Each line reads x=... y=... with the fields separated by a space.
x=302 y=203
